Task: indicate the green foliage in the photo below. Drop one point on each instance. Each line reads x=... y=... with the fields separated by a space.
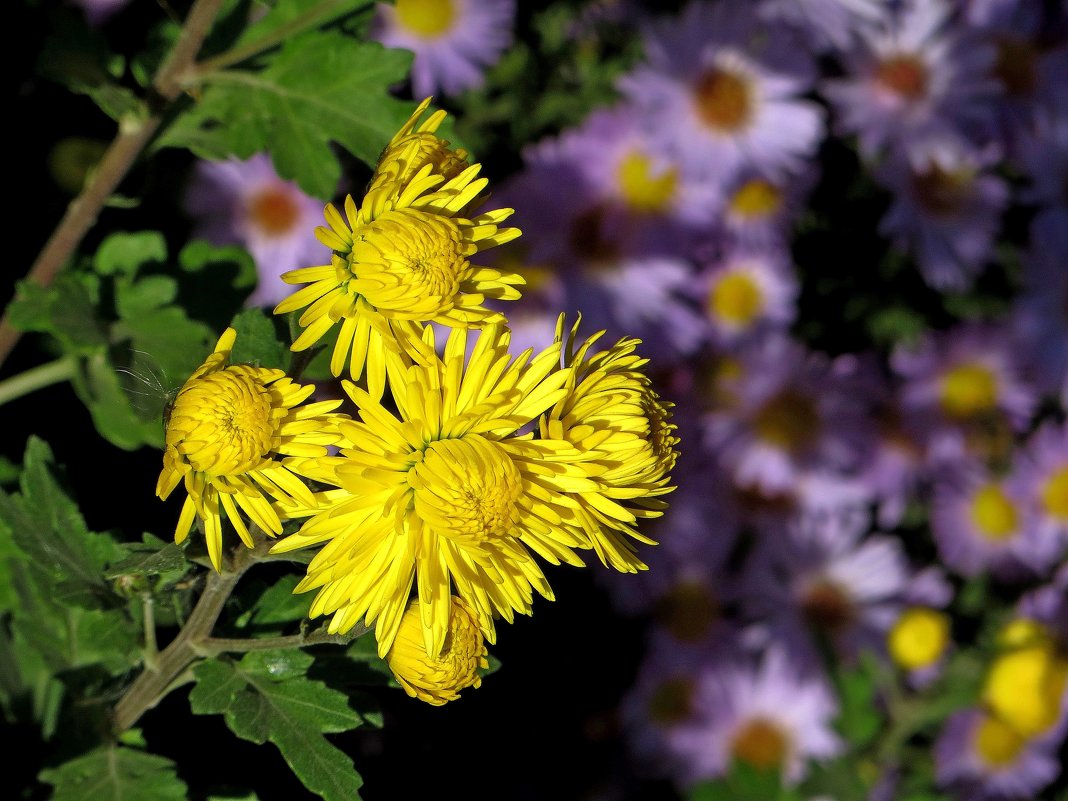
x=114 y=773
x=261 y=340
x=266 y=696
x=319 y=88
x=745 y=783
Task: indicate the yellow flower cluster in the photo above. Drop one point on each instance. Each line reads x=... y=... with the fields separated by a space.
x=439 y=496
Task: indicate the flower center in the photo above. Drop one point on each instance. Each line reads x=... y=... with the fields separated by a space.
x=789 y=420
x=643 y=188
x=428 y=18
x=736 y=300
x=918 y=638
x=467 y=489
x=905 y=75
x=274 y=210
x=671 y=702
x=724 y=100
x=993 y=513
x=1054 y=494
x=826 y=606
x=688 y=611
x=1024 y=687
x=760 y=743
x=997 y=743
x=410 y=263
x=968 y=390
x=661 y=436
x=941 y=192
x=756 y=199
x=222 y=423
x=1017 y=66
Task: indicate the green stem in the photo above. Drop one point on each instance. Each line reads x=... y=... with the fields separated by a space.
x=154 y=683
x=322 y=14
x=133 y=136
x=148 y=611
x=36 y=378
x=217 y=645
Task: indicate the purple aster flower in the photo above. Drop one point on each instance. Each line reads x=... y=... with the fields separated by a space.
x=963 y=392
x=1042 y=150
x=749 y=292
x=760 y=210
x=826 y=24
x=825 y=579
x=979 y=522
x=980 y=757
x=661 y=703
x=724 y=90
x=454 y=41
x=919 y=641
x=796 y=413
x=1040 y=477
x=947 y=208
x=1040 y=318
x=916 y=76
x=246 y=203
x=774 y=714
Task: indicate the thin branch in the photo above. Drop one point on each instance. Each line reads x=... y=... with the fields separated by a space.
x=36 y=378
x=134 y=135
x=218 y=645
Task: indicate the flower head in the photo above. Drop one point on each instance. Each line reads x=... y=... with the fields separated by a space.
x=454 y=41
x=403 y=258
x=225 y=430
x=439 y=679
x=613 y=417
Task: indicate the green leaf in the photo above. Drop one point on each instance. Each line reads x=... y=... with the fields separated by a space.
x=319 y=88
x=103 y=391
x=66 y=309
x=259 y=340
x=176 y=344
x=48 y=528
x=126 y=253
x=114 y=773
x=278 y=606
x=145 y=295
x=152 y=557
x=307 y=13
x=267 y=697
x=859 y=720
x=199 y=256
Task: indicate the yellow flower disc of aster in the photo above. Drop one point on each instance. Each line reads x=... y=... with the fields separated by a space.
x=415 y=146
x=445 y=495
x=228 y=425
x=439 y=679
x=622 y=428
x=1026 y=683
x=400 y=259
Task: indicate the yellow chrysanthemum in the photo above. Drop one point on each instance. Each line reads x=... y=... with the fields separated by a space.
x=401 y=259
x=613 y=417
x=226 y=428
x=445 y=494
x=439 y=679
x=416 y=145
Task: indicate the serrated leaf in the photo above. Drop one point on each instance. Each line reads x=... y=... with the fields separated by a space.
x=259 y=340
x=308 y=13
x=49 y=529
x=319 y=88
x=199 y=255
x=266 y=697
x=126 y=252
x=114 y=773
x=176 y=344
x=151 y=557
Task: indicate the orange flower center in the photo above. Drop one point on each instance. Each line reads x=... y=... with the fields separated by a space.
x=905 y=75
x=274 y=211
x=724 y=100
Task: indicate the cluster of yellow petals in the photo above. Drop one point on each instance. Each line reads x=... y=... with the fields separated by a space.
x=440 y=678
x=229 y=434
x=434 y=507
x=1025 y=684
x=403 y=257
